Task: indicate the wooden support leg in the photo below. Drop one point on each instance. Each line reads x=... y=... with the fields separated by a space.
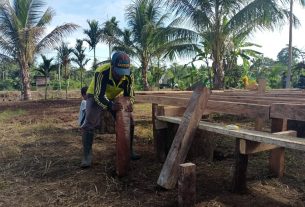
x=277 y=162
x=159 y=132
x=240 y=171
x=187 y=185
x=277 y=156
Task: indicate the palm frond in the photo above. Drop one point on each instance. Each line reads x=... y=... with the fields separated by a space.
x=46 y=18
x=55 y=36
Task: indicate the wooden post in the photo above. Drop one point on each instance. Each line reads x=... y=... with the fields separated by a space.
x=240 y=171
x=159 y=132
x=187 y=185
x=259 y=122
x=261 y=86
x=184 y=137
x=122 y=129
x=277 y=156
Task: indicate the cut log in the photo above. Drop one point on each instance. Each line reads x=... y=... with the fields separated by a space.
x=184 y=137
x=122 y=128
x=187 y=185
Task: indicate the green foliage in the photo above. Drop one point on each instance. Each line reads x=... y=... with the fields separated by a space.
x=23 y=24
x=9 y=84
x=233 y=77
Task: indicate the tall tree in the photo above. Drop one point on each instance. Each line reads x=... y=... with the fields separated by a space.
x=80 y=59
x=148 y=35
x=64 y=52
x=23 y=24
x=45 y=68
x=94 y=34
x=109 y=32
x=218 y=21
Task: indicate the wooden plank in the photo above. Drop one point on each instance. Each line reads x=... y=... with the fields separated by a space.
x=171 y=101
x=251 y=147
x=187 y=185
x=174 y=111
x=184 y=137
x=234 y=108
x=288 y=111
x=264 y=137
x=242 y=109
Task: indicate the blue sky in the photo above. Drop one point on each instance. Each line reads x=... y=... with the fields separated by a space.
x=78 y=11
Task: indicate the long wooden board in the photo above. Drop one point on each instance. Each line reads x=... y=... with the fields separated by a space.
x=288 y=111
x=234 y=108
x=264 y=137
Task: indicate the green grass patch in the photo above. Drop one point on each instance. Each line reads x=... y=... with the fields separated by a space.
x=9 y=114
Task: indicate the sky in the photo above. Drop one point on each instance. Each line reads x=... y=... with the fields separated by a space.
x=79 y=11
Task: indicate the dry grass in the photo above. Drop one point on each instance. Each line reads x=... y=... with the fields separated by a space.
x=40 y=154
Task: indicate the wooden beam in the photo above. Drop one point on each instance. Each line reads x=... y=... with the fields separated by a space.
x=174 y=111
x=184 y=137
x=251 y=147
x=159 y=132
x=239 y=183
x=277 y=156
x=122 y=129
x=264 y=137
x=234 y=108
x=187 y=185
x=288 y=111
x=242 y=109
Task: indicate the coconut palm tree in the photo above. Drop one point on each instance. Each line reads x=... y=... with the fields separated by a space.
x=23 y=24
x=149 y=37
x=94 y=34
x=109 y=32
x=80 y=59
x=218 y=22
x=302 y=3
x=64 y=52
x=45 y=68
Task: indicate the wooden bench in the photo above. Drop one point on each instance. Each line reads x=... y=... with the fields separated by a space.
x=247 y=142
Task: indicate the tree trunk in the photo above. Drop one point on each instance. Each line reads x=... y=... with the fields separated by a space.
x=218 y=79
x=109 y=47
x=46 y=89
x=81 y=77
x=94 y=59
x=217 y=52
x=144 y=75
x=290 y=45
x=25 y=78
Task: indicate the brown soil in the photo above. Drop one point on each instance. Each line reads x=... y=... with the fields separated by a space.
x=40 y=152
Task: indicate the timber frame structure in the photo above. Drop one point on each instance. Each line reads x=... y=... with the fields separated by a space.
x=261 y=105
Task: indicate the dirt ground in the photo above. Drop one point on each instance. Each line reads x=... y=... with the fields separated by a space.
x=40 y=152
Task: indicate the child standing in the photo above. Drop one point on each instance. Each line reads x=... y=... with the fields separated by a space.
x=82 y=110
